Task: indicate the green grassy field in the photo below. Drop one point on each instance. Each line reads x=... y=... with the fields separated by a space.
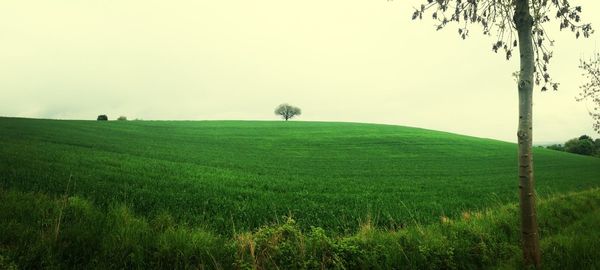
x=280 y=195
x=228 y=176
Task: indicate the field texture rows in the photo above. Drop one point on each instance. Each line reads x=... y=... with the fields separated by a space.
x=227 y=176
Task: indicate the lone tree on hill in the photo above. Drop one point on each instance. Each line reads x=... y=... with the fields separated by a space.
x=516 y=23
x=590 y=90
x=102 y=117
x=287 y=111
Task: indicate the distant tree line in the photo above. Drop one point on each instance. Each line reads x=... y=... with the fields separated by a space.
x=584 y=145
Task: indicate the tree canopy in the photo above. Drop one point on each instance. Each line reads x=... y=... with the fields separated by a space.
x=498 y=18
x=287 y=111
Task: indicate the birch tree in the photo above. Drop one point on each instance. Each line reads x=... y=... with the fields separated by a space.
x=516 y=25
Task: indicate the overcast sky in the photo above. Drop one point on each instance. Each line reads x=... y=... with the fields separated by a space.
x=339 y=60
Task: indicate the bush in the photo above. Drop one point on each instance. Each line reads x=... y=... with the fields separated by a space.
x=102 y=117
x=584 y=145
x=580 y=146
x=122 y=118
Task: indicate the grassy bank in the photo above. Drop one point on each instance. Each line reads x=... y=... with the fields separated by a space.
x=41 y=231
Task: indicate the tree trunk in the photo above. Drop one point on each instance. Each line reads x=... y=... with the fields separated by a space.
x=529 y=228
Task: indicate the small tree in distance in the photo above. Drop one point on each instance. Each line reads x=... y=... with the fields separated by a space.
x=287 y=111
x=122 y=118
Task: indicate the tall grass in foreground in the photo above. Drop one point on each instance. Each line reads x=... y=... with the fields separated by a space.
x=91 y=238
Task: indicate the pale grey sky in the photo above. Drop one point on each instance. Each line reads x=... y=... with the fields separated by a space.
x=339 y=60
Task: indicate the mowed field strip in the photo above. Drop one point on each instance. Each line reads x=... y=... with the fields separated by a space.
x=239 y=175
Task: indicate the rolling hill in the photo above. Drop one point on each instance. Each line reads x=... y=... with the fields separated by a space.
x=228 y=176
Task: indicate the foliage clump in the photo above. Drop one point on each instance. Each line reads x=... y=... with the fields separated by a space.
x=497 y=18
x=584 y=145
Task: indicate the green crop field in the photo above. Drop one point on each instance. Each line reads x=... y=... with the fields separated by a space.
x=239 y=175
x=279 y=195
